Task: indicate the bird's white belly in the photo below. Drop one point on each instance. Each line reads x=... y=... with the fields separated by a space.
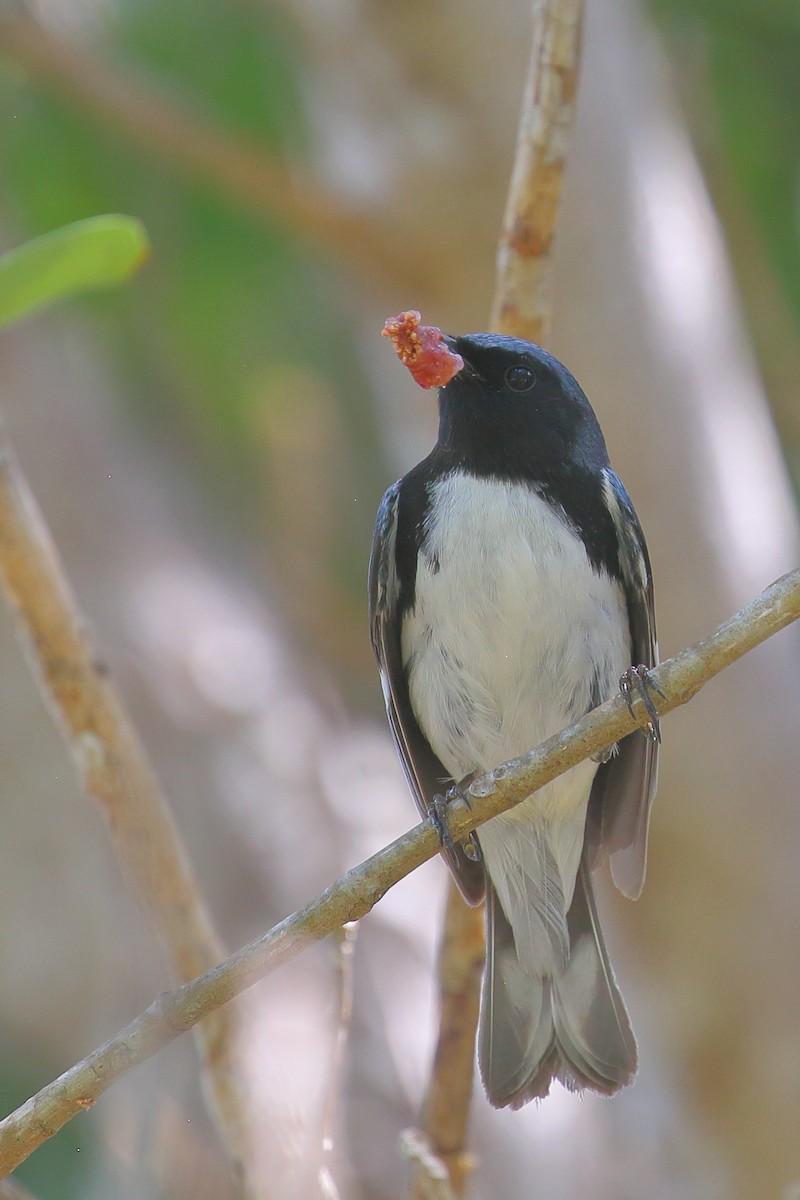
x=511 y=633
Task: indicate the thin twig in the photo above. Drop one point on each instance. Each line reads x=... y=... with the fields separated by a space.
x=345 y=947
x=352 y=896
x=447 y=1103
x=185 y=139
x=522 y=305
x=115 y=772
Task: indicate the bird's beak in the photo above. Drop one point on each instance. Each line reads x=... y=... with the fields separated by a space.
x=454 y=343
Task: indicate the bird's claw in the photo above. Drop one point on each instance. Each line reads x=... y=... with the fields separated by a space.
x=638 y=683
x=437 y=811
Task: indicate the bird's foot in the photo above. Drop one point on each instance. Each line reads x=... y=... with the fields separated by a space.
x=603 y=756
x=638 y=683
x=438 y=813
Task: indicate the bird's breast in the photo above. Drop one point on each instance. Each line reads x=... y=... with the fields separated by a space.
x=512 y=633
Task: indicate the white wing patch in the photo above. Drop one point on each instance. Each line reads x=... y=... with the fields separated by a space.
x=632 y=560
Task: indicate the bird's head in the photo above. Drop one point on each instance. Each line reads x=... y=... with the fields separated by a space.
x=513 y=399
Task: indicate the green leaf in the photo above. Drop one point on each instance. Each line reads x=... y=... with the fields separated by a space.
x=95 y=253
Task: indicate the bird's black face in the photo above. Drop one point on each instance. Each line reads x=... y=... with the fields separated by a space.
x=515 y=406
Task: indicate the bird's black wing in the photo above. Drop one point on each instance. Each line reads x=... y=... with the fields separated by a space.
x=624 y=787
x=425 y=773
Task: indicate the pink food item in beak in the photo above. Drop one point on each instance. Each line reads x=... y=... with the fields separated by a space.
x=423 y=349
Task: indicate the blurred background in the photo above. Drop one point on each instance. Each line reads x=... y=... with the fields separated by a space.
x=209 y=445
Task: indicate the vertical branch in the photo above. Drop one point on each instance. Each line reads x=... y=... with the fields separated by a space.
x=521 y=308
x=447 y=1103
x=522 y=302
x=114 y=772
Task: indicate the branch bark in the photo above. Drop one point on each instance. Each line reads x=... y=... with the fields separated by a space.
x=115 y=773
x=353 y=895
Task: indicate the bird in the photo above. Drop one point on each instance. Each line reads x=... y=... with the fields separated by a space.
x=510 y=592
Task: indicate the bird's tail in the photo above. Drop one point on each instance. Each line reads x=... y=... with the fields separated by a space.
x=571 y=1025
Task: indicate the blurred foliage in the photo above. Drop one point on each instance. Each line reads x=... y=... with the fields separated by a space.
x=235 y=335
x=95 y=253
x=238 y=59
x=751 y=53
x=227 y=304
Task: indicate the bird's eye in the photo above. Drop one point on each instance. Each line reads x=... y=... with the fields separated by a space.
x=520 y=379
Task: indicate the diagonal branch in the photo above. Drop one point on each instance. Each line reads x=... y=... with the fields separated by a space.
x=352 y=895
x=114 y=771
